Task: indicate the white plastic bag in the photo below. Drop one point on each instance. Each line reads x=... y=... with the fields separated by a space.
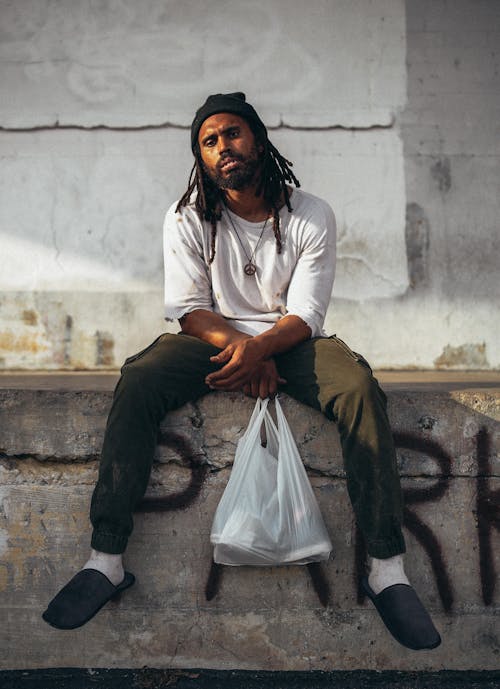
x=268 y=513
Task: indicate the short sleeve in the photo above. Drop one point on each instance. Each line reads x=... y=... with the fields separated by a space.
x=311 y=284
x=187 y=280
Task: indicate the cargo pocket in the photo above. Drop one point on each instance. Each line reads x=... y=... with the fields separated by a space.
x=350 y=352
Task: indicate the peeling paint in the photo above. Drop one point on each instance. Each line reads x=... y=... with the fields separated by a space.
x=466 y=356
x=30 y=317
x=25 y=343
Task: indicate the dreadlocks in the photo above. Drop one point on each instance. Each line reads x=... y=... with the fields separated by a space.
x=275 y=173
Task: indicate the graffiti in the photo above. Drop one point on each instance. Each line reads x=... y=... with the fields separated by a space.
x=423 y=533
x=185 y=498
x=487 y=514
x=316 y=574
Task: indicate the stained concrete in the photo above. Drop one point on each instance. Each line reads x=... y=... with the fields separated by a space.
x=182 y=613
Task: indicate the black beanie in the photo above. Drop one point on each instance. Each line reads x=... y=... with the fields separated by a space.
x=224 y=102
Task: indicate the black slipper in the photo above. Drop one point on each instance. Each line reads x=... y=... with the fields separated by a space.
x=83 y=597
x=404 y=616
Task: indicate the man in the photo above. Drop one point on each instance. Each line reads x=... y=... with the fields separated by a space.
x=249 y=267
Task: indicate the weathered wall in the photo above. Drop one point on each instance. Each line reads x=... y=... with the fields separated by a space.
x=184 y=612
x=97 y=102
x=450 y=129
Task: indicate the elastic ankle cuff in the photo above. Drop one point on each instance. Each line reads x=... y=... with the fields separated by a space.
x=108 y=543
x=388 y=548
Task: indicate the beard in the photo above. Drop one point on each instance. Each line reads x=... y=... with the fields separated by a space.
x=240 y=178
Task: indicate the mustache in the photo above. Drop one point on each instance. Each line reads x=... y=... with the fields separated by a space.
x=233 y=156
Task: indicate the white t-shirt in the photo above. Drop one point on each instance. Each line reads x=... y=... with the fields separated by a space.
x=298 y=281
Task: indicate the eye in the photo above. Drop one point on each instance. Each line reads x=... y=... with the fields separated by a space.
x=234 y=133
x=209 y=142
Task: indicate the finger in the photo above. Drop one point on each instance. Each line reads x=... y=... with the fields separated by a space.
x=255 y=388
x=223 y=387
x=223 y=374
x=247 y=390
x=234 y=382
x=264 y=388
x=228 y=369
x=223 y=356
x=272 y=387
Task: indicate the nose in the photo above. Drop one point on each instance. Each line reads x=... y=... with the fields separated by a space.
x=223 y=145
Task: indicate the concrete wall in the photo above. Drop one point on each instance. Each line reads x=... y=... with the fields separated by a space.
x=368 y=99
x=184 y=612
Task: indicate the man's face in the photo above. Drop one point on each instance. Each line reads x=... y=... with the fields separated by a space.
x=229 y=152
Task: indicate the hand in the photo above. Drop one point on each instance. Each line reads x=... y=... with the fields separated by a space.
x=264 y=383
x=243 y=364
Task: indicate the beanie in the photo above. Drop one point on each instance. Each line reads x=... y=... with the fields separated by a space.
x=224 y=102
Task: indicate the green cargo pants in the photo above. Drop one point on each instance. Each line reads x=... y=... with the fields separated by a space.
x=322 y=373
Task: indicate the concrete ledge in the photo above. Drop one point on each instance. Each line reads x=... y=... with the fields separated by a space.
x=185 y=613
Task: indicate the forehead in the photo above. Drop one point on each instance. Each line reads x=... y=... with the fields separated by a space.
x=219 y=122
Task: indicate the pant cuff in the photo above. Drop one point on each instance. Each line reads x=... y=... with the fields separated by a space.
x=387 y=548
x=108 y=543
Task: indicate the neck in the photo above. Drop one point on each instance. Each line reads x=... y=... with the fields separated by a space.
x=245 y=204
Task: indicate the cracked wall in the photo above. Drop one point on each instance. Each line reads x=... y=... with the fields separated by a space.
x=189 y=613
x=94 y=147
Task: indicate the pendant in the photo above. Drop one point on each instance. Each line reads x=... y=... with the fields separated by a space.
x=250 y=268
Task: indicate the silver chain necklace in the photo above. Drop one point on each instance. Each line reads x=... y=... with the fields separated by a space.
x=250 y=268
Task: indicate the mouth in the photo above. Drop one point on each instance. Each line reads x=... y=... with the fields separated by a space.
x=228 y=164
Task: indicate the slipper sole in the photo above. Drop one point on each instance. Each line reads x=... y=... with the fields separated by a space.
x=404 y=615
x=82 y=598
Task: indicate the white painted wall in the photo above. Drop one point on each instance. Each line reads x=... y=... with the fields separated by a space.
x=129 y=63
x=97 y=99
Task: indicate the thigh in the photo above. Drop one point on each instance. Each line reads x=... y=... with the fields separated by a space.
x=320 y=369
x=175 y=364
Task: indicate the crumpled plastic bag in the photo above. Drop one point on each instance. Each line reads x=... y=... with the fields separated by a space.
x=268 y=513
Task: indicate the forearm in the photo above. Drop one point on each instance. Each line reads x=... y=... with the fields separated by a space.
x=211 y=327
x=248 y=364
x=284 y=335
x=214 y=329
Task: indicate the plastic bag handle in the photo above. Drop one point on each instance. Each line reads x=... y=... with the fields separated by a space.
x=253 y=427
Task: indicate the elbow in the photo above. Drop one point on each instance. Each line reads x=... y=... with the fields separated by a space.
x=187 y=322
x=182 y=323
x=193 y=322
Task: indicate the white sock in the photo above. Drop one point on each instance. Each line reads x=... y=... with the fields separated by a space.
x=384 y=573
x=110 y=565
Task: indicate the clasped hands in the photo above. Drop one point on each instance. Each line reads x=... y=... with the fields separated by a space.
x=245 y=369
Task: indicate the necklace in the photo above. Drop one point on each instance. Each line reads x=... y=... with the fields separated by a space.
x=250 y=268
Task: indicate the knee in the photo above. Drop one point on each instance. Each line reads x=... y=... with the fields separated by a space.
x=361 y=391
x=137 y=377
x=361 y=382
